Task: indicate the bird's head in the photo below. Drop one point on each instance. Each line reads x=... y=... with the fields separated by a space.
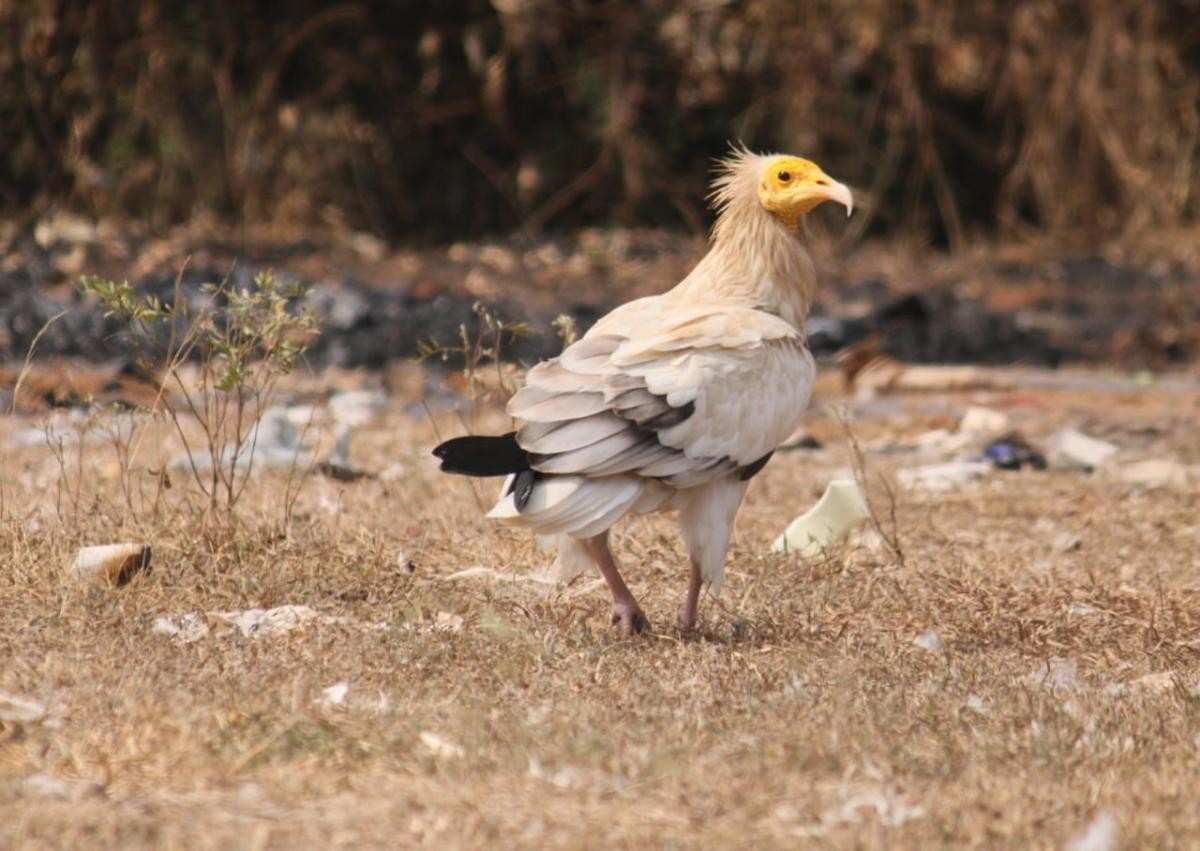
x=789 y=187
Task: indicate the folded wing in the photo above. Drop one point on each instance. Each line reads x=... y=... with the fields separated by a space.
x=681 y=399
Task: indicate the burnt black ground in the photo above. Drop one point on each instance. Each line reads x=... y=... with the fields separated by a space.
x=1086 y=308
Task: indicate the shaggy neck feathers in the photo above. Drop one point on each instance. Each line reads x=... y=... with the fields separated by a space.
x=755 y=258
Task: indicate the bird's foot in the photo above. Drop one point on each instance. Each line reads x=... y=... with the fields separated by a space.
x=687 y=618
x=630 y=619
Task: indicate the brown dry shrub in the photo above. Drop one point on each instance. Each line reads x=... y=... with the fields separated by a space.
x=443 y=119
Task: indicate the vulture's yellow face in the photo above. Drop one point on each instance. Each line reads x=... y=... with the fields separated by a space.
x=790 y=187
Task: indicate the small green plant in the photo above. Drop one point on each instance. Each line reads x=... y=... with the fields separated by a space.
x=481 y=353
x=218 y=361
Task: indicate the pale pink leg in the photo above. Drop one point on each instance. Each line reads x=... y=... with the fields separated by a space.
x=626 y=612
x=691 y=603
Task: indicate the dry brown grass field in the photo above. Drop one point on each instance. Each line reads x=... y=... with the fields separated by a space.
x=1062 y=691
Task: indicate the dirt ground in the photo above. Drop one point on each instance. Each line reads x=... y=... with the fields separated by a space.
x=1030 y=303
x=1020 y=671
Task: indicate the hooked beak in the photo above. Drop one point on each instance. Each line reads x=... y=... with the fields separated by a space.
x=840 y=193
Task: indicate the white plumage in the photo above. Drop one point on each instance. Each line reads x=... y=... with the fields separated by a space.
x=673 y=401
x=746 y=376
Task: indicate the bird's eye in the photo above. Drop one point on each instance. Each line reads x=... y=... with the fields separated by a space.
x=785 y=176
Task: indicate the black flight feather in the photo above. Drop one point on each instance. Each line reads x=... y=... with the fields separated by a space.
x=491 y=456
x=483 y=456
x=751 y=469
x=522 y=487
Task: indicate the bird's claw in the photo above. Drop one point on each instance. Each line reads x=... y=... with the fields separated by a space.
x=630 y=619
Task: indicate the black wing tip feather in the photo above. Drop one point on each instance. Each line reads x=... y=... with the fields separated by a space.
x=752 y=469
x=477 y=455
x=668 y=418
x=522 y=487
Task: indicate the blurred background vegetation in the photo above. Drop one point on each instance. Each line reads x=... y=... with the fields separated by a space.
x=434 y=121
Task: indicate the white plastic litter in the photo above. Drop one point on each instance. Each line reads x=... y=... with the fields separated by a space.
x=977 y=705
x=440 y=746
x=1100 y=835
x=929 y=640
x=939 y=478
x=1074 y=450
x=842 y=507
x=983 y=422
x=335 y=695
x=112 y=563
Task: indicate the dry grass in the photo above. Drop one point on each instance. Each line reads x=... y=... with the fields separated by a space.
x=801 y=715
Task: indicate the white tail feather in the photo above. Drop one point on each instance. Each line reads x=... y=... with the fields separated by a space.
x=570 y=505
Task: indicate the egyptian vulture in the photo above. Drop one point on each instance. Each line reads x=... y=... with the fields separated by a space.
x=672 y=401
